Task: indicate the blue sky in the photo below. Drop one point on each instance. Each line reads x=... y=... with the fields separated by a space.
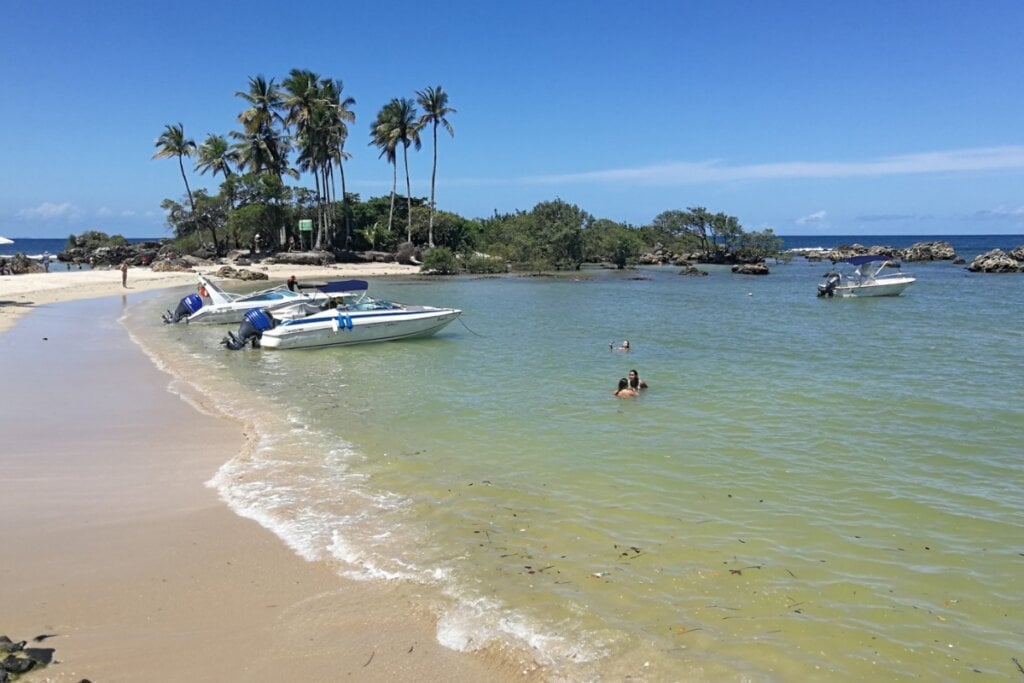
x=806 y=117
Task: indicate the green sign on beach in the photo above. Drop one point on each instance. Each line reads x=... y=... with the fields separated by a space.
x=306 y=225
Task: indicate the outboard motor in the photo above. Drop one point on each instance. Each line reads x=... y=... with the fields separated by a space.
x=186 y=307
x=828 y=287
x=256 y=322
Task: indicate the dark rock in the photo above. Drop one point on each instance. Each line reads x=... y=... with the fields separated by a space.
x=929 y=251
x=751 y=269
x=693 y=271
x=996 y=261
x=21 y=264
x=39 y=655
x=845 y=251
x=303 y=258
x=378 y=257
x=7 y=645
x=17 y=665
x=173 y=264
x=241 y=274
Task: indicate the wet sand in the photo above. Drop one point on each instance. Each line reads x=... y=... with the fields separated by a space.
x=113 y=542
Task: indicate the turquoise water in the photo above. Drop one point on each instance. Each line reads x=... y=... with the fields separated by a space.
x=811 y=489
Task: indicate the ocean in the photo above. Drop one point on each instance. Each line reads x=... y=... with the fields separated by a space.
x=810 y=490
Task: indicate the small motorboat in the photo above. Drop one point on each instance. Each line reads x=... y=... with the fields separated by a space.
x=225 y=307
x=349 y=317
x=865 y=281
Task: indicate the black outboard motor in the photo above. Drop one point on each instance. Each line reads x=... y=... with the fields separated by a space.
x=828 y=287
x=186 y=307
x=256 y=322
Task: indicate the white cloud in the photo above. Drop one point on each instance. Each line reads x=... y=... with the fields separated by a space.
x=682 y=173
x=50 y=210
x=818 y=217
x=127 y=213
x=1002 y=213
x=103 y=211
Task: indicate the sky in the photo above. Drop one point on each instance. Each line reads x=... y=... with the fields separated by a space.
x=810 y=118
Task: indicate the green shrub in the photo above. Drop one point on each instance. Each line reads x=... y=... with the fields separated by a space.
x=440 y=261
x=484 y=265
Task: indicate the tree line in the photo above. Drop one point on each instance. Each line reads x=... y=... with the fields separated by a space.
x=302 y=125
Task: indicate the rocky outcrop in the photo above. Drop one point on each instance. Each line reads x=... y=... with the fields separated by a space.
x=845 y=251
x=172 y=264
x=940 y=250
x=136 y=254
x=302 y=258
x=20 y=264
x=998 y=261
x=929 y=251
x=19 y=659
x=693 y=271
x=241 y=273
x=751 y=269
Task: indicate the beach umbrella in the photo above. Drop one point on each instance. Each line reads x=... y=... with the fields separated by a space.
x=4 y=240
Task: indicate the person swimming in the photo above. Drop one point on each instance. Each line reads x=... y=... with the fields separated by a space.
x=624 y=390
x=635 y=383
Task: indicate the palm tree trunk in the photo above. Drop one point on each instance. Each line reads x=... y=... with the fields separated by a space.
x=319 y=210
x=344 y=202
x=328 y=203
x=187 y=188
x=408 y=193
x=394 y=186
x=433 y=181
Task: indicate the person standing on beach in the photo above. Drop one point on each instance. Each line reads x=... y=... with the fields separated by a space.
x=124 y=274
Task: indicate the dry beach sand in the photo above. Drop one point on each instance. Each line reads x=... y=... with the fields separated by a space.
x=113 y=542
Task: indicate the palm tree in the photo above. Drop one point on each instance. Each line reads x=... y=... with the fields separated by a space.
x=341 y=116
x=260 y=146
x=435 y=108
x=173 y=143
x=216 y=156
x=400 y=126
x=265 y=103
x=305 y=111
x=382 y=134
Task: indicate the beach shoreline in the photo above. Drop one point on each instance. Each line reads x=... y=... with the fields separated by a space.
x=126 y=554
x=20 y=293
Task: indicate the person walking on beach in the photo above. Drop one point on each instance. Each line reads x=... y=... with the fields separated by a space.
x=124 y=274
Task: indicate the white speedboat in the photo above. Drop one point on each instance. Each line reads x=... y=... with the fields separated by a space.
x=865 y=280
x=225 y=307
x=351 y=317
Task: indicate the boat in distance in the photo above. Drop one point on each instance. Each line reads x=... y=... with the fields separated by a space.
x=350 y=317
x=226 y=307
x=865 y=281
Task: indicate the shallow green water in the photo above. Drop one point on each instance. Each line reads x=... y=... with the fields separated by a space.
x=810 y=490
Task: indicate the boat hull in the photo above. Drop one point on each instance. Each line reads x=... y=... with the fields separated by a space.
x=340 y=329
x=236 y=313
x=893 y=287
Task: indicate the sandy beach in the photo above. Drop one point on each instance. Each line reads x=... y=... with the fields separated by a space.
x=114 y=544
x=19 y=293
